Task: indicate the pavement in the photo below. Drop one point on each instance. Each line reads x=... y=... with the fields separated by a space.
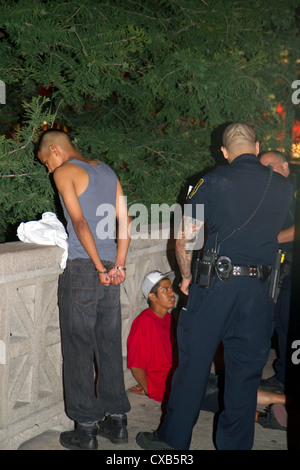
x=145 y=416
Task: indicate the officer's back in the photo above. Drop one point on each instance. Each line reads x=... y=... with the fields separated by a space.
x=244 y=207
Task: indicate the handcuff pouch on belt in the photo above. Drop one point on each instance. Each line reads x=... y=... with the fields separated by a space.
x=210 y=266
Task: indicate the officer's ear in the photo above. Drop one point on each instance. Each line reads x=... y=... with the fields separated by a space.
x=286 y=169
x=256 y=148
x=225 y=153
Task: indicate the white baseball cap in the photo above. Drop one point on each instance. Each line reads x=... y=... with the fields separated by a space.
x=153 y=278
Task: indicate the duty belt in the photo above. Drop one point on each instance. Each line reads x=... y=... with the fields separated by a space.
x=260 y=271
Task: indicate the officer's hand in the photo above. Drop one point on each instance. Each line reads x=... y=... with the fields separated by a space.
x=185 y=284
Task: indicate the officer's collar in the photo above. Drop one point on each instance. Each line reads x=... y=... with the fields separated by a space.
x=244 y=156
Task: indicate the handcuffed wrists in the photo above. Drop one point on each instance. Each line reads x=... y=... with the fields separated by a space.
x=122 y=268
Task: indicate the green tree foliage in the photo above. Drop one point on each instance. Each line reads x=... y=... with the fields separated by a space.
x=143 y=86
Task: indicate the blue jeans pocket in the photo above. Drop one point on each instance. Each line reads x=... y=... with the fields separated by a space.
x=83 y=293
x=114 y=295
x=83 y=285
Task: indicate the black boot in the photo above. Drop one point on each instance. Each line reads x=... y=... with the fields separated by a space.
x=84 y=437
x=151 y=441
x=113 y=427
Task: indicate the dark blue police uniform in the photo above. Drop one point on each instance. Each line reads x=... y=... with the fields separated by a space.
x=282 y=307
x=237 y=312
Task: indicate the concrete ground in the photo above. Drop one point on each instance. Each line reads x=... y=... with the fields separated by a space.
x=145 y=416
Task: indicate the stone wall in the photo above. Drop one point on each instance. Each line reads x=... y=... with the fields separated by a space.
x=31 y=392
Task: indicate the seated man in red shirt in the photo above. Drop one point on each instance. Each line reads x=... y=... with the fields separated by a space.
x=151 y=355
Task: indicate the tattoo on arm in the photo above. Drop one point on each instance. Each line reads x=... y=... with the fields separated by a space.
x=185 y=238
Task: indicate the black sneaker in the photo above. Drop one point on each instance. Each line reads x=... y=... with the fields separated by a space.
x=114 y=428
x=151 y=441
x=272 y=385
x=273 y=417
x=82 y=438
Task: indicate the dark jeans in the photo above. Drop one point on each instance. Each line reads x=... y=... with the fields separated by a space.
x=90 y=320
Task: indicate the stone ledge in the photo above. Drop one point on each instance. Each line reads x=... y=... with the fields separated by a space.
x=29 y=314
x=16 y=257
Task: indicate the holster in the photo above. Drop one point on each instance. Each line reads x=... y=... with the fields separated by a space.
x=278 y=273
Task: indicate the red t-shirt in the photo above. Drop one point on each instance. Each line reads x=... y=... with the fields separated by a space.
x=150 y=346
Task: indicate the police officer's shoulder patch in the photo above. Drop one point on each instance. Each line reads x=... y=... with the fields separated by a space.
x=195 y=188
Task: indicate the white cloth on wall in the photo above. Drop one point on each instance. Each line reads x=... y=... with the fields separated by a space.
x=47 y=231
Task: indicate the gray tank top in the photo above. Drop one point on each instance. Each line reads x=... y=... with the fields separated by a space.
x=98 y=204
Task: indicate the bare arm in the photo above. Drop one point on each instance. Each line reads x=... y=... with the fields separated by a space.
x=123 y=237
x=184 y=249
x=141 y=377
x=287 y=235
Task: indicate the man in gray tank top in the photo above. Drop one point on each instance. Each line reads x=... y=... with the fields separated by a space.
x=89 y=292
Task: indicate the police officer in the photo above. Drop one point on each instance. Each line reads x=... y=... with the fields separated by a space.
x=276 y=383
x=245 y=205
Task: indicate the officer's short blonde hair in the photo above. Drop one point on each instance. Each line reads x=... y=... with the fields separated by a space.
x=239 y=134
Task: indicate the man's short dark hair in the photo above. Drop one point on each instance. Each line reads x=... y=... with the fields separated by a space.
x=44 y=134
